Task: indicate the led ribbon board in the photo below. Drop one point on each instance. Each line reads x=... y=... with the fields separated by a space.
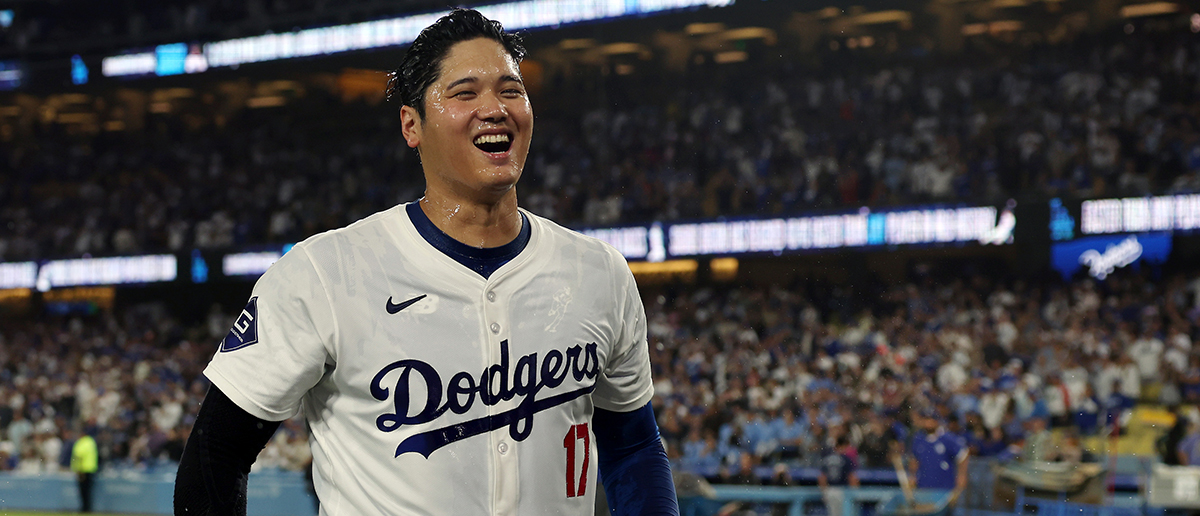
x=248 y=264
x=106 y=271
x=18 y=275
x=525 y=14
x=634 y=243
x=1138 y=214
x=864 y=229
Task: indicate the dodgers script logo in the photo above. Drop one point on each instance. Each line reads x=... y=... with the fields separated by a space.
x=495 y=384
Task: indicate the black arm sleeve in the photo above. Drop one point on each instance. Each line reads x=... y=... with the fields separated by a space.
x=225 y=441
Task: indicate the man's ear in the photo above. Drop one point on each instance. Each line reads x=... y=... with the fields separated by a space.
x=410 y=126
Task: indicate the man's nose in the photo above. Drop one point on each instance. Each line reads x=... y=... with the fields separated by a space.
x=493 y=108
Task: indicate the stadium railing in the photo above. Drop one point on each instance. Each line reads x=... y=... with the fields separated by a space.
x=270 y=492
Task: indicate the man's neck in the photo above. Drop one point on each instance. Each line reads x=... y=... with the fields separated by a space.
x=472 y=223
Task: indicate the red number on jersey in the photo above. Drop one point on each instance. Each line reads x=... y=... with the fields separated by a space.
x=577 y=433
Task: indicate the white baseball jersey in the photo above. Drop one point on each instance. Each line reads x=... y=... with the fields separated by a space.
x=430 y=389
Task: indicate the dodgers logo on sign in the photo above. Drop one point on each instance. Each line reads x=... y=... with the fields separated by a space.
x=245 y=328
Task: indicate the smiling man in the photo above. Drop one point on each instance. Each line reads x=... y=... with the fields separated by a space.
x=453 y=355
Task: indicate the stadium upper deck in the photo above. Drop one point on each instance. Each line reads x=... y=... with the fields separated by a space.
x=238 y=163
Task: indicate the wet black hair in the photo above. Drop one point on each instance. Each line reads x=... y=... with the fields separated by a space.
x=422 y=62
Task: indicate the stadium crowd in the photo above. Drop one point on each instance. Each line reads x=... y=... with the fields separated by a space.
x=746 y=375
x=131 y=380
x=1100 y=117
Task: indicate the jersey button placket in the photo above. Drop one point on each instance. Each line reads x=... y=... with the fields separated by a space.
x=505 y=472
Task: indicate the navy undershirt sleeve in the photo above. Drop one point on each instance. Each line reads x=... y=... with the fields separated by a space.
x=633 y=463
x=483 y=260
x=216 y=460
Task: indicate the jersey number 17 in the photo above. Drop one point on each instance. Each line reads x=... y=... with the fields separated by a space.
x=574 y=434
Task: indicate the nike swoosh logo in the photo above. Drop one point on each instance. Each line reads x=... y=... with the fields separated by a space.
x=393 y=308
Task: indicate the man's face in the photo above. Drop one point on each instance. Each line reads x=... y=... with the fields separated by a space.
x=929 y=424
x=478 y=123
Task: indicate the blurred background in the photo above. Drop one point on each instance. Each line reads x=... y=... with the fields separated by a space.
x=850 y=222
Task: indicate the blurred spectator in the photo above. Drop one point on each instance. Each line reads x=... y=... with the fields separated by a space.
x=838 y=470
x=1189 y=447
x=1038 y=441
x=1071 y=450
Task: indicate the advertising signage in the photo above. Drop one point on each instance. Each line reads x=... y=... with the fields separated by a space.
x=1101 y=255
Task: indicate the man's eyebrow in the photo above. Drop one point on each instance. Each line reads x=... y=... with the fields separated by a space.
x=472 y=79
x=464 y=80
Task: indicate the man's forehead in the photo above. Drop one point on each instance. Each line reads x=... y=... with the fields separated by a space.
x=480 y=59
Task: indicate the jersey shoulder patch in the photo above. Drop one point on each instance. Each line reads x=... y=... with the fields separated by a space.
x=245 y=328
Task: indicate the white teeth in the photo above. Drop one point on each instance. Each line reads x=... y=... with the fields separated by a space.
x=491 y=138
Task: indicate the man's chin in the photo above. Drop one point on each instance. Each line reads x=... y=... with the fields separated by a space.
x=502 y=179
x=497 y=188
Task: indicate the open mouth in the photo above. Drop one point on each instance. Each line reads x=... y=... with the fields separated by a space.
x=494 y=143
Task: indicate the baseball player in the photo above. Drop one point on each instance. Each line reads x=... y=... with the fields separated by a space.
x=454 y=355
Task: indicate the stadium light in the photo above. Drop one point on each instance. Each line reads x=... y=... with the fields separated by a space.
x=723 y=269
x=698 y=29
x=613 y=49
x=577 y=44
x=268 y=101
x=672 y=266
x=732 y=56
x=16 y=294
x=745 y=33
x=876 y=18
x=828 y=12
x=1148 y=9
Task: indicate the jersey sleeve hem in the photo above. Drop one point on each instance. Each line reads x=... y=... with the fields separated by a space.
x=636 y=403
x=241 y=400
